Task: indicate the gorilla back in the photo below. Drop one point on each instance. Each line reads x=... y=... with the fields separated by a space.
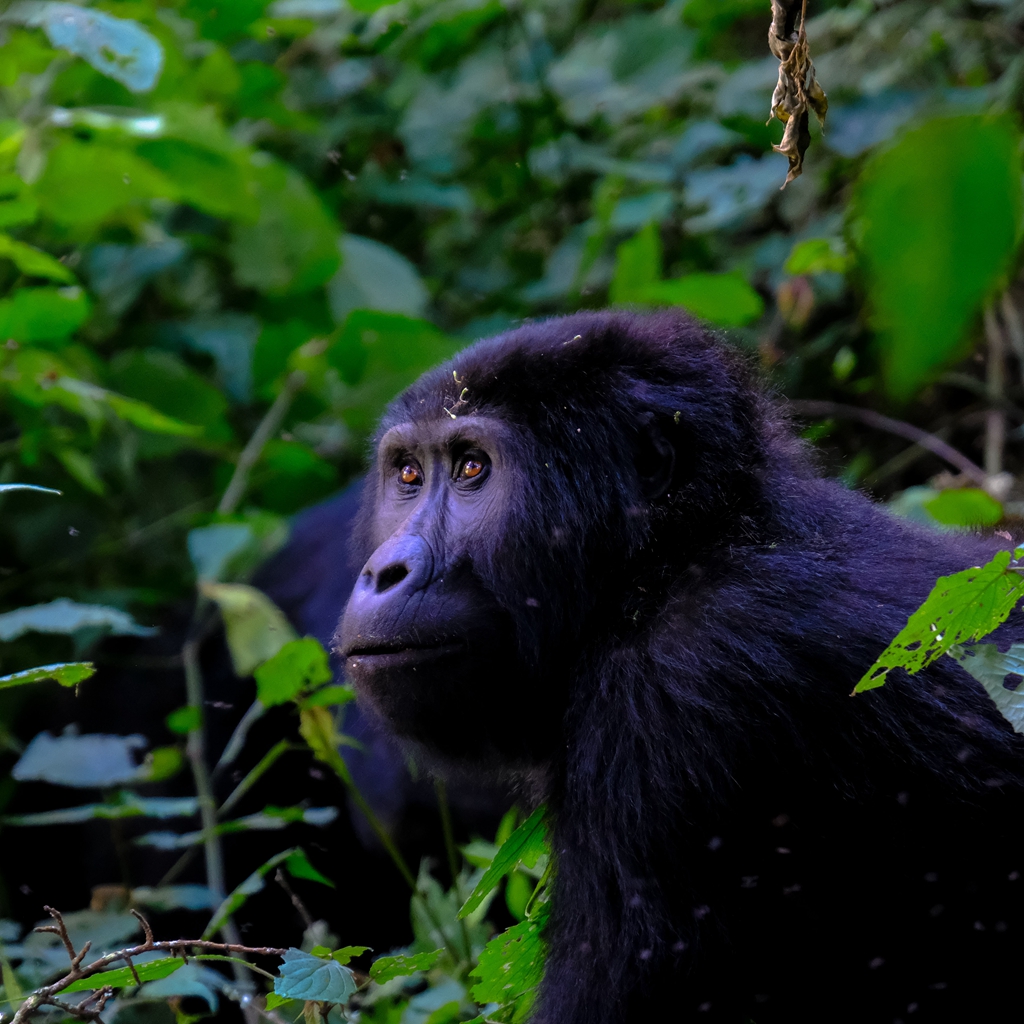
x=596 y=559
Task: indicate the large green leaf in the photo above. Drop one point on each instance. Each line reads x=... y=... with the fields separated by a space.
x=963 y=607
x=256 y=627
x=292 y=245
x=42 y=314
x=68 y=673
x=122 y=977
x=938 y=218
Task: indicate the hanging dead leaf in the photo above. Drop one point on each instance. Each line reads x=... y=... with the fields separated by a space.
x=797 y=90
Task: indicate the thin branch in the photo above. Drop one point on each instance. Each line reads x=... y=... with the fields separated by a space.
x=297 y=903
x=900 y=428
x=995 y=417
x=261 y=435
x=1014 y=329
x=93 y=1003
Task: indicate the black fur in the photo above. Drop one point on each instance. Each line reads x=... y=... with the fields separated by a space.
x=737 y=837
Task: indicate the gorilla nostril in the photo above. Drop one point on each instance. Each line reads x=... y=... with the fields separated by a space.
x=391 y=576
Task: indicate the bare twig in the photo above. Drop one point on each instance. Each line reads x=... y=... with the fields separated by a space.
x=261 y=435
x=306 y=916
x=92 y=1005
x=900 y=428
x=1014 y=329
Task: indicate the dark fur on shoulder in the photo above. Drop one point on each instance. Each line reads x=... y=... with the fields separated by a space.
x=737 y=837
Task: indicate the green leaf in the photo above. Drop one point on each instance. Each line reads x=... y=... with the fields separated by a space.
x=637 y=266
x=347 y=953
x=68 y=673
x=723 y=299
x=85 y=182
x=525 y=845
x=939 y=220
x=43 y=314
x=184 y=720
x=137 y=413
x=964 y=506
x=256 y=628
x=329 y=696
x=293 y=244
x=151 y=970
x=388 y=967
x=34 y=262
x=274 y=1000
x=373 y=276
x=1000 y=673
x=963 y=607
x=297 y=666
x=511 y=965
x=307 y=977
x=298 y=866
x=209 y=181
x=817 y=256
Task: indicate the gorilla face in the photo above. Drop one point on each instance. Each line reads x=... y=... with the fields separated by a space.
x=422 y=632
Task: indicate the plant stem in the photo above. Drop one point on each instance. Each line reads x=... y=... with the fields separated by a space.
x=1014 y=329
x=453 y=856
x=995 y=418
x=255 y=445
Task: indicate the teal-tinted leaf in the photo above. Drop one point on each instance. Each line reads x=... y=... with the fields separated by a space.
x=150 y=970
x=307 y=977
x=963 y=607
x=211 y=548
x=389 y=967
x=88 y=761
x=43 y=314
x=374 y=276
x=116 y=47
x=1000 y=673
x=194 y=980
x=732 y=195
x=723 y=299
x=256 y=627
x=68 y=673
x=7 y=488
x=966 y=507
x=525 y=845
x=939 y=220
x=64 y=616
x=230 y=338
x=299 y=665
x=125 y=805
x=174 y=897
x=118 y=273
x=34 y=262
x=298 y=866
x=293 y=245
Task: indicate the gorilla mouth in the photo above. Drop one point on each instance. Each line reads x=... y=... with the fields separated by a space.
x=400 y=654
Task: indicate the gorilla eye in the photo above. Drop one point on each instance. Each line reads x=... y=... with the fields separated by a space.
x=471 y=468
x=410 y=474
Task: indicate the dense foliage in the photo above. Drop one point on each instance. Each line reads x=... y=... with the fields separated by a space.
x=229 y=233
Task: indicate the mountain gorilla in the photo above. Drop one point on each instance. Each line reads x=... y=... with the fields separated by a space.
x=596 y=560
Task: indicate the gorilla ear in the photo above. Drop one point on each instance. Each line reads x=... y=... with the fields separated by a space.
x=655 y=456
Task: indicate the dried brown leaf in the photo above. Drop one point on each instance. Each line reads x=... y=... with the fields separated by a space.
x=798 y=89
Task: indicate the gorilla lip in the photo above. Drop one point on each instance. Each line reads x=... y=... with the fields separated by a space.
x=399 y=655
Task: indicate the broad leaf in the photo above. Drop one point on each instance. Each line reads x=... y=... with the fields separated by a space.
x=311 y=979
x=1001 y=675
x=68 y=673
x=939 y=217
x=525 y=845
x=299 y=665
x=150 y=970
x=963 y=607
x=256 y=627
x=965 y=507
x=389 y=967
x=92 y=760
x=34 y=262
x=65 y=616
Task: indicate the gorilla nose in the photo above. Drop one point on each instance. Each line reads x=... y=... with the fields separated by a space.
x=398 y=567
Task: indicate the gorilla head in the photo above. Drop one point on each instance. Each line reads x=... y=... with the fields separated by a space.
x=520 y=496
x=595 y=557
